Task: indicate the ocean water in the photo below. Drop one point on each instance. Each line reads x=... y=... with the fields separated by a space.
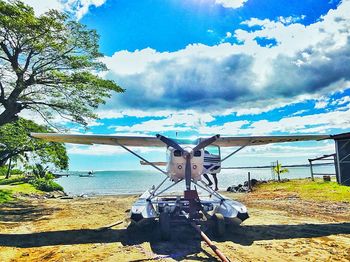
x=136 y=182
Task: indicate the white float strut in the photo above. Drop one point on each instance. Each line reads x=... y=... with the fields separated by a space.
x=175 y=183
x=206 y=188
x=155 y=190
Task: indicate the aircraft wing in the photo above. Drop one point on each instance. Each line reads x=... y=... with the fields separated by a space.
x=101 y=139
x=262 y=140
x=148 y=141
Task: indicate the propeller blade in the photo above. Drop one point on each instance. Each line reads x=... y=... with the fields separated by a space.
x=206 y=142
x=169 y=142
x=188 y=172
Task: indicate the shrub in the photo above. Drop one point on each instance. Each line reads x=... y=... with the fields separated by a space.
x=3 y=171
x=39 y=171
x=13 y=180
x=46 y=185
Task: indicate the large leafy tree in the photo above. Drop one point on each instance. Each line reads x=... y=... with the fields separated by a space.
x=49 y=65
x=16 y=143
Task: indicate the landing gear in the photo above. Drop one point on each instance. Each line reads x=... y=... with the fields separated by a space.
x=164 y=224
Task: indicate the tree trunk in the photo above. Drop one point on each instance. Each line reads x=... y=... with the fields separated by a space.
x=9 y=169
x=8 y=116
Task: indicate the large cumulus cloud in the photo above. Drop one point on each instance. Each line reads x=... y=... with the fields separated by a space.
x=309 y=59
x=200 y=81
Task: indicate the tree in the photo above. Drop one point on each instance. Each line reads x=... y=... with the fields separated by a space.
x=278 y=169
x=15 y=143
x=49 y=65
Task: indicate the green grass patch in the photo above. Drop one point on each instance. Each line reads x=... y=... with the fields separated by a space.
x=20 y=184
x=307 y=189
x=24 y=188
x=5 y=196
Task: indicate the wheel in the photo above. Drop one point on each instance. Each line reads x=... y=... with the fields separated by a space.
x=164 y=223
x=219 y=225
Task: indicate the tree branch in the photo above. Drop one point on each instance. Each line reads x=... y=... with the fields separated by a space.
x=6 y=51
x=28 y=60
x=2 y=93
x=44 y=118
x=4 y=58
x=41 y=103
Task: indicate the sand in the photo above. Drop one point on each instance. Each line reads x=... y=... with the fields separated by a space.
x=282 y=228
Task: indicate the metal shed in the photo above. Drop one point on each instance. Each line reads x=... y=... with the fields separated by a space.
x=342 y=148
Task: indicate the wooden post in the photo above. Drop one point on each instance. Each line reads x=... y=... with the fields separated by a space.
x=249 y=184
x=278 y=172
x=213 y=247
x=311 y=170
x=336 y=169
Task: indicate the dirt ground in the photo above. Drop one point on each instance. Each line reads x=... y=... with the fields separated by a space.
x=280 y=228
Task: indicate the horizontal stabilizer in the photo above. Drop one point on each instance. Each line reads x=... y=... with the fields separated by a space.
x=144 y=163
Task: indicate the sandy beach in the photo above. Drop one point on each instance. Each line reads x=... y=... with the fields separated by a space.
x=281 y=227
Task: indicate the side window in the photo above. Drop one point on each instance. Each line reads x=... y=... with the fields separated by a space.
x=213 y=150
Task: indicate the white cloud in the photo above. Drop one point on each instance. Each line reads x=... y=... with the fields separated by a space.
x=77 y=7
x=321 y=103
x=41 y=7
x=81 y=7
x=114 y=114
x=104 y=150
x=307 y=61
x=299 y=112
x=228 y=129
x=279 y=151
x=342 y=101
x=316 y=123
x=231 y=3
x=202 y=124
x=176 y=121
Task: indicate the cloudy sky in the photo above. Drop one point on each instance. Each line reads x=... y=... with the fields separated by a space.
x=229 y=67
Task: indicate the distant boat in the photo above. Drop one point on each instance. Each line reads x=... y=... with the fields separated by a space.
x=90 y=174
x=57 y=175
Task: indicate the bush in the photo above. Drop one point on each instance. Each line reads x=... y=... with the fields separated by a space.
x=13 y=180
x=39 y=171
x=46 y=185
x=3 y=171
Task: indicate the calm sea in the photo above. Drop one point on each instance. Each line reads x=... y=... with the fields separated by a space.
x=135 y=182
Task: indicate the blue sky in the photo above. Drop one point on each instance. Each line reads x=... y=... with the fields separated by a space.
x=229 y=67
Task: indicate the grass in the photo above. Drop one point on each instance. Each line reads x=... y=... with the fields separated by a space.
x=15 y=184
x=5 y=196
x=310 y=190
x=12 y=180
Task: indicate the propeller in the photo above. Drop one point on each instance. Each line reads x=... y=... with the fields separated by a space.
x=170 y=142
x=187 y=155
x=188 y=172
x=206 y=142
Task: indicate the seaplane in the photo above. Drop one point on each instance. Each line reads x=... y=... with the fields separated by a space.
x=187 y=160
